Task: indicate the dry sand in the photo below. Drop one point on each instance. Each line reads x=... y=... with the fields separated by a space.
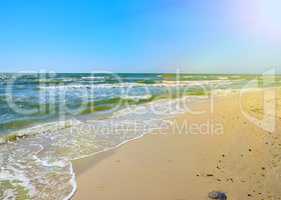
x=243 y=161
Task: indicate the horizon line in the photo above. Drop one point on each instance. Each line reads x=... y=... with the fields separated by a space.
x=190 y=73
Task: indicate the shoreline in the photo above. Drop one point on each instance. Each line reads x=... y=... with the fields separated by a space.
x=65 y=133
x=95 y=173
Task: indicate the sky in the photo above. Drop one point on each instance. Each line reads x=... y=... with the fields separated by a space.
x=191 y=36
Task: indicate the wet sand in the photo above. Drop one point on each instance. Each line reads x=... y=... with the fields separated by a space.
x=238 y=157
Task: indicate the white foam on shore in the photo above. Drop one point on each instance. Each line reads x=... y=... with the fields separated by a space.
x=164 y=83
x=73 y=183
x=93 y=78
x=18 y=177
x=54 y=148
x=142 y=97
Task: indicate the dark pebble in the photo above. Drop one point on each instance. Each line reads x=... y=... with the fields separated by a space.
x=209 y=174
x=217 y=195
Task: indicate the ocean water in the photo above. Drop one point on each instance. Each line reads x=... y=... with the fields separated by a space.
x=48 y=120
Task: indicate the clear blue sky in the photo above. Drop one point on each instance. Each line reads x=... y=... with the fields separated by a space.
x=215 y=36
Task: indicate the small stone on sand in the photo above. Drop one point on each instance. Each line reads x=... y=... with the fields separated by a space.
x=209 y=175
x=217 y=195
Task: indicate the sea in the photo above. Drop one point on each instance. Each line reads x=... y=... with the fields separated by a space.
x=48 y=120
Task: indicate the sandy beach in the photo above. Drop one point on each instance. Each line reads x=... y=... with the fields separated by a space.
x=236 y=157
x=140 y=100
